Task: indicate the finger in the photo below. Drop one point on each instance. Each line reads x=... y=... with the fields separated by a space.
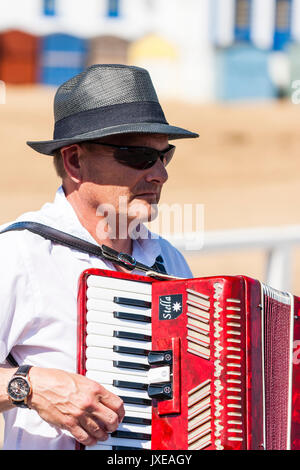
x=113 y=402
x=82 y=436
x=93 y=428
x=106 y=418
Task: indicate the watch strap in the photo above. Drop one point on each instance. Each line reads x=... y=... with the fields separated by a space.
x=23 y=370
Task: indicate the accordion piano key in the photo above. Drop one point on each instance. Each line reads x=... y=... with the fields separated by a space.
x=107 y=306
x=112 y=294
x=133 y=392
x=119 y=284
x=109 y=342
x=108 y=330
x=124 y=442
x=109 y=366
x=110 y=354
x=109 y=319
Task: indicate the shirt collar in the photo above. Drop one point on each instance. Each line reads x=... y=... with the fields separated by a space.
x=61 y=215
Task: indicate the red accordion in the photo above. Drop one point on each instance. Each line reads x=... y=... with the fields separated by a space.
x=204 y=363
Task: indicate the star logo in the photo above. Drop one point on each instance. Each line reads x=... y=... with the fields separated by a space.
x=176 y=306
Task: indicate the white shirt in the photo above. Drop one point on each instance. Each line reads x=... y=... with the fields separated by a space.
x=38 y=307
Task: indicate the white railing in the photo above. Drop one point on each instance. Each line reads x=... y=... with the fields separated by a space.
x=277 y=242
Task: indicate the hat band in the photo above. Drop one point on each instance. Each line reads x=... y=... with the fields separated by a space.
x=108 y=116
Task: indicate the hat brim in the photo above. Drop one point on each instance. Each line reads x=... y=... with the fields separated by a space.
x=48 y=147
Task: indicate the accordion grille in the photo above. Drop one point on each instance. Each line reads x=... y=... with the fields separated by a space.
x=277 y=328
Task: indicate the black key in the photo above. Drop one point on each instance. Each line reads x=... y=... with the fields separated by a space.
x=131 y=435
x=160 y=391
x=132 y=317
x=131 y=365
x=123 y=448
x=135 y=420
x=160 y=358
x=132 y=385
x=127 y=350
x=136 y=400
x=132 y=302
x=129 y=335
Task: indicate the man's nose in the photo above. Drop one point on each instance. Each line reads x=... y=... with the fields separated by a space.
x=157 y=173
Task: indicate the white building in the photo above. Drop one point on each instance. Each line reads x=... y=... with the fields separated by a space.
x=175 y=39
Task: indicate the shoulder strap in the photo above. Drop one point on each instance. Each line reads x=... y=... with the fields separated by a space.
x=104 y=252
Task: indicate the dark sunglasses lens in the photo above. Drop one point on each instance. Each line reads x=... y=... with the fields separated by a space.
x=142 y=158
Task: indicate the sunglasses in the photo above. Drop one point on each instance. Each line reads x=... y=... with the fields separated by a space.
x=140 y=158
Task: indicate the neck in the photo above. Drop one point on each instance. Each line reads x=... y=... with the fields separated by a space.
x=97 y=225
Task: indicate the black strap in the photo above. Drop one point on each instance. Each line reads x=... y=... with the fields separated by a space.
x=11 y=361
x=103 y=252
x=23 y=370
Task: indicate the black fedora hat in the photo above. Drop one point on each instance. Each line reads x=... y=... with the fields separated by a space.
x=104 y=100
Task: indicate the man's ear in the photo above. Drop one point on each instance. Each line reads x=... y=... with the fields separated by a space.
x=71 y=159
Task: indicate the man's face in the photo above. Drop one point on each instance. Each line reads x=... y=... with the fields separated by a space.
x=106 y=183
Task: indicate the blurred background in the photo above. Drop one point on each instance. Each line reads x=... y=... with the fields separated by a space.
x=227 y=69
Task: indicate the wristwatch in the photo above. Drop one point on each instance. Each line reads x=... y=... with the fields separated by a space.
x=19 y=387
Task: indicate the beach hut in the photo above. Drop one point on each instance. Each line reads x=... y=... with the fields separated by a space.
x=242 y=73
x=108 y=50
x=161 y=58
x=61 y=57
x=18 y=57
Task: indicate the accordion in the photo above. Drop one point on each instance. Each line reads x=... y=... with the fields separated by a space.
x=204 y=363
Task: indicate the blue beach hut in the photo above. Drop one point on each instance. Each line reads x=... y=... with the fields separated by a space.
x=242 y=73
x=62 y=57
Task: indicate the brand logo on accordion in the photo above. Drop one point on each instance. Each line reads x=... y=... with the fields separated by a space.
x=170 y=306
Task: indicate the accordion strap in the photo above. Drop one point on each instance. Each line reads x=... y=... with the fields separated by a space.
x=101 y=251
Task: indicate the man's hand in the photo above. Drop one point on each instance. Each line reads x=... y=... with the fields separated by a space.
x=75 y=403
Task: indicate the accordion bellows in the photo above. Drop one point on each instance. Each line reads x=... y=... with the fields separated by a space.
x=204 y=363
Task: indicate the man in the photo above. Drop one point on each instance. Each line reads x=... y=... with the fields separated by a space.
x=111 y=149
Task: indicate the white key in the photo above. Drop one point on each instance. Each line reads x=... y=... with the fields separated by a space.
x=130 y=409
x=108 y=330
x=107 y=342
x=109 y=294
x=159 y=374
x=139 y=444
x=135 y=427
x=107 y=366
x=138 y=414
x=127 y=392
x=107 y=306
x=109 y=319
x=155 y=375
x=99 y=447
x=104 y=377
x=119 y=284
x=109 y=354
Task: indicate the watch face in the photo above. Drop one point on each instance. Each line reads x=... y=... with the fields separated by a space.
x=18 y=388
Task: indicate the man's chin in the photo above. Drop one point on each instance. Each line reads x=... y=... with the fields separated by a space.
x=143 y=211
